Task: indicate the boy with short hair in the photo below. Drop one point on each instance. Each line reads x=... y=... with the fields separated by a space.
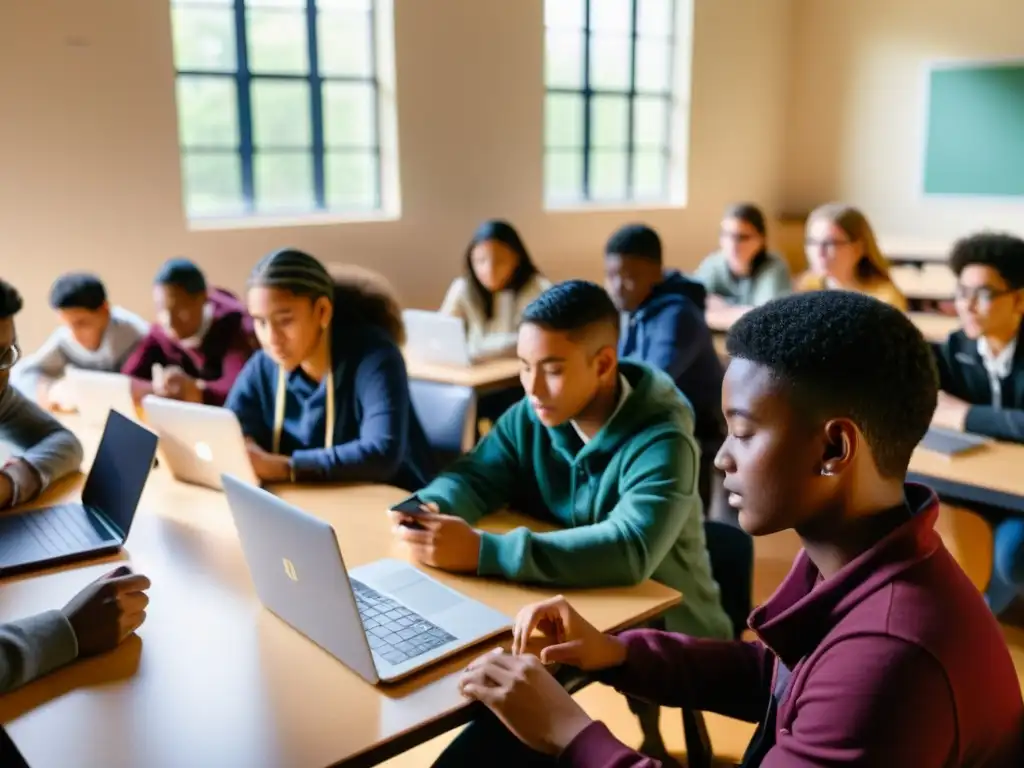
x=201 y=341
x=93 y=335
x=857 y=661
x=981 y=373
x=45 y=450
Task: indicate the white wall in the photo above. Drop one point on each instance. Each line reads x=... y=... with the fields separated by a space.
x=856 y=110
x=89 y=174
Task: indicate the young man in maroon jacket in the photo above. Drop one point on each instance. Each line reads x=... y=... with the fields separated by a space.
x=199 y=344
x=876 y=650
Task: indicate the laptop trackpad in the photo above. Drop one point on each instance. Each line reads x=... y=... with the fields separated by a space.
x=423 y=595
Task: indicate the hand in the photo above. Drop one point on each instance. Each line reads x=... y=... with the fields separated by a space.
x=25 y=477
x=58 y=395
x=576 y=642
x=269 y=467
x=107 y=611
x=713 y=302
x=442 y=541
x=950 y=413
x=6 y=491
x=181 y=386
x=527 y=699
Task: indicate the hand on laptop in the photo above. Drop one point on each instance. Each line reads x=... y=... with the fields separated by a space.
x=269 y=467
x=20 y=473
x=950 y=413
x=180 y=386
x=107 y=611
x=576 y=642
x=531 y=703
x=442 y=541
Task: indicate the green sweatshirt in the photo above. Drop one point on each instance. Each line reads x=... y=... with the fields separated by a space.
x=627 y=501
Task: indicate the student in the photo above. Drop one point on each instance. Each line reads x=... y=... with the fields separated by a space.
x=857 y=661
x=500 y=280
x=328 y=397
x=607 y=450
x=981 y=373
x=843 y=253
x=200 y=343
x=742 y=273
x=44 y=450
x=97 y=620
x=663 y=318
x=93 y=335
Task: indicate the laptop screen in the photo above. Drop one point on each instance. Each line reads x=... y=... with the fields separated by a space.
x=120 y=470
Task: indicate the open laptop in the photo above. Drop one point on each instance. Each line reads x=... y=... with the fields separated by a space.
x=383 y=620
x=199 y=443
x=96 y=393
x=431 y=337
x=950 y=442
x=99 y=524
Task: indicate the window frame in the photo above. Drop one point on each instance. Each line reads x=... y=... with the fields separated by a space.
x=243 y=79
x=587 y=150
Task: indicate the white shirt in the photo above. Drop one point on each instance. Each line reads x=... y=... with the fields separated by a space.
x=626 y=389
x=997 y=366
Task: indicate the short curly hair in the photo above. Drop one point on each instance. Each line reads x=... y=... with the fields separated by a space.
x=572 y=306
x=999 y=250
x=10 y=300
x=844 y=354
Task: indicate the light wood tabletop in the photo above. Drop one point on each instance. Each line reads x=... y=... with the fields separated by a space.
x=935 y=327
x=213 y=679
x=492 y=374
x=992 y=474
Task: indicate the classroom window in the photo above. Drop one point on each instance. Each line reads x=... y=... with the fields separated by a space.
x=278 y=106
x=612 y=98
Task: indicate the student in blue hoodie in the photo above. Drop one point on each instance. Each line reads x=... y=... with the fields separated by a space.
x=328 y=397
x=663 y=326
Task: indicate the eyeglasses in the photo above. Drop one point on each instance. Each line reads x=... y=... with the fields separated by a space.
x=9 y=356
x=984 y=295
x=825 y=245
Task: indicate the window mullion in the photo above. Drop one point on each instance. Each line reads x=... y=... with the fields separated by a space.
x=316 y=105
x=243 y=80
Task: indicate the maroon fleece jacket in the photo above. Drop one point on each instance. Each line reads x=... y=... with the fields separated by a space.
x=894 y=661
x=220 y=357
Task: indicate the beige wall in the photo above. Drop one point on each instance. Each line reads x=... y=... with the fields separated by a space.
x=89 y=173
x=856 y=105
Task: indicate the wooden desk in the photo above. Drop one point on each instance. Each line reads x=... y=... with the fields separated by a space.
x=215 y=680
x=934 y=282
x=993 y=475
x=935 y=327
x=493 y=374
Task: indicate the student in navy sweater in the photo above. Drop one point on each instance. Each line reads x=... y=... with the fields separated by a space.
x=197 y=348
x=981 y=373
x=664 y=326
x=328 y=397
x=876 y=650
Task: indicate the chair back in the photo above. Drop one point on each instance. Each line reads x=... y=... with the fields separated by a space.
x=732 y=564
x=447 y=414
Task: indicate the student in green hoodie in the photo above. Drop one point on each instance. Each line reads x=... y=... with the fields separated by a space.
x=604 y=448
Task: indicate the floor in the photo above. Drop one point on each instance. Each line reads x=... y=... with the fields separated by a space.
x=774 y=554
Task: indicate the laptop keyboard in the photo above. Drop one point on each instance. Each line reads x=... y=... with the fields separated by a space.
x=395 y=633
x=56 y=530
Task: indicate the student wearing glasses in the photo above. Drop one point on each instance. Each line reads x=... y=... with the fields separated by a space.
x=44 y=450
x=981 y=372
x=742 y=273
x=843 y=254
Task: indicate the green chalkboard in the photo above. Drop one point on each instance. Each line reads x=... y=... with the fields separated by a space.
x=975 y=132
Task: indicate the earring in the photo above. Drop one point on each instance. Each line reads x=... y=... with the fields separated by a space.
x=826 y=472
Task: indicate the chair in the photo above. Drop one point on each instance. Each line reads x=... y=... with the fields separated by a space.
x=448 y=415
x=731 y=551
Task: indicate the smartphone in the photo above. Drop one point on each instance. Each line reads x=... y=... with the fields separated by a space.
x=411 y=506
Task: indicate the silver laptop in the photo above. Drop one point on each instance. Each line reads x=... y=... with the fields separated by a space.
x=431 y=337
x=97 y=393
x=199 y=443
x=950 y=442
x=383 y=620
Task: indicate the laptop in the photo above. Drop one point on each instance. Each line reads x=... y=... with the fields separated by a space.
x=384 y=620
x=199 y=443
x=96 y=393
x=950 y=442
x=431 y=337
x=98 y=525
